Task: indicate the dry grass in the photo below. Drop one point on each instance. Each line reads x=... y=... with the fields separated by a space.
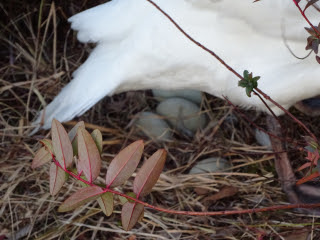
x=38 y=55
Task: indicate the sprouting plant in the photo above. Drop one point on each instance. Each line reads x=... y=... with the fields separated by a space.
x=77 y=154
x=248 y=82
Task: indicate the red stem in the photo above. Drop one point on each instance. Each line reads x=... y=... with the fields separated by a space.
x=229 y=67
x=195 y=41
x=287 y=112
x=306 y=18
x=190 y=213
x=295 y=144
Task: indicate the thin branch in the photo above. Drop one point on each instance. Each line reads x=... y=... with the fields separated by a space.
x=232 y=70
x=189 y=213
x=305 y=17
x=287 y=112
x=195 y=41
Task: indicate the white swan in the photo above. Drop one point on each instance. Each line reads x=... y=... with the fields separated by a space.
x=138 y=48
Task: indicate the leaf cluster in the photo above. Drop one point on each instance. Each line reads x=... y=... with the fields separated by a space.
x=77 y=154
x=313 y=40
x=248 y=82
x=313 y=156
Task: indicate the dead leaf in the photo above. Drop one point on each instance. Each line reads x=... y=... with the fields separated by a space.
x=302 y=234
x=201 y=191
x=226 y=191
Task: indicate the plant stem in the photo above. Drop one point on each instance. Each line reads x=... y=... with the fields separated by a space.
x=231 y=69
x=306 y=18
x=189 y=213
x=195 y=41
x=287 y=112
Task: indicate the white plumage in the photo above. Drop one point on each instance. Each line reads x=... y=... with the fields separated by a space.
x=138 y=48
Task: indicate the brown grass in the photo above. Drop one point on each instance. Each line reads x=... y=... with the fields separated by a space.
x=38 y=54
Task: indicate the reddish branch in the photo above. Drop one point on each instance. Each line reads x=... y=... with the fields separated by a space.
x=258 y=91
x=189 y=213
x=195 y=41
x=295 y=143
x=305 y=17
x=287 y=112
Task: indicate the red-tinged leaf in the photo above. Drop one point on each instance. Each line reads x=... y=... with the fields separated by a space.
x=124 y=164
x=80 y=197
x=131 y=213
x=313 y=157
x=308 y=178
x=149 y=173
x=47 y=143
x=78 y=166
x=308 y=164
x=97 y=138
x=106 y=203
x=62 y=147
x=73 y=137
x=89 y=157
x=41 y=157
x=57 y=179
x=73 y=132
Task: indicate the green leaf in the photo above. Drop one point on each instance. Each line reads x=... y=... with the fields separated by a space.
x=106 y=203
x=248 y=82
x=97 y=137
x=73 y=137
x=123 y=200
x=248 y=92
x=246 y=74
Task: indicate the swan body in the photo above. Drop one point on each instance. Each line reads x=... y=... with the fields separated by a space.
x=139 y=48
